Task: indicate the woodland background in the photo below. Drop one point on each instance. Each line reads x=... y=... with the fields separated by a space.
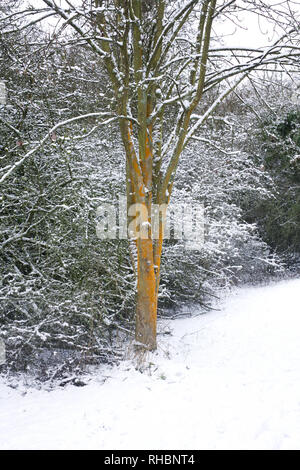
x=66 y=297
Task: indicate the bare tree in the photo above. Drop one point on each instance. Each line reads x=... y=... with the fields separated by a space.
x=161 y=58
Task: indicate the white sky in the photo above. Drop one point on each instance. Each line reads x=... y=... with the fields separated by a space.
x=249 y=29
x=252 y=29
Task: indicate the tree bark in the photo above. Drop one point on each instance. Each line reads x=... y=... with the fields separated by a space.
x=146 y=306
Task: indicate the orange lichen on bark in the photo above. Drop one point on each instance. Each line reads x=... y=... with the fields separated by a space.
x=146 y=295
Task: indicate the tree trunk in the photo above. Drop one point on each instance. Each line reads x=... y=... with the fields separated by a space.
x=146 y=306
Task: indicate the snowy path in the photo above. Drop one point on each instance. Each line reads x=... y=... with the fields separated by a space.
x=232 y=380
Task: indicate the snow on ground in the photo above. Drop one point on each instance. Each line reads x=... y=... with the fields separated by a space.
x=229 y=379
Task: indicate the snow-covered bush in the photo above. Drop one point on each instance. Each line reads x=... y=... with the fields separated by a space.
x=233 y=250
x=273 y=141
x=64 y=295
x=61 y=287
